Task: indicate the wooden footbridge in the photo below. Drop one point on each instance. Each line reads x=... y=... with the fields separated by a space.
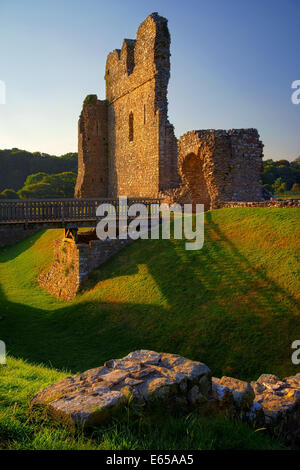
x=69 y=214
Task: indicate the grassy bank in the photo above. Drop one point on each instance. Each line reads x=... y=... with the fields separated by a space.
x=21 y=429
x=233 y=305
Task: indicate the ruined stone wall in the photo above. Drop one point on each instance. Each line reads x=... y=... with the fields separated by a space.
x=142 y=144
x=92 y=178
x=62 y=279
x=73 y=262
x=139 y=158
x=127 y=146
x=272 y=203
x=219 y=165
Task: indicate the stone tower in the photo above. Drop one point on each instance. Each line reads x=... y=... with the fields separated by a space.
x=126 y=145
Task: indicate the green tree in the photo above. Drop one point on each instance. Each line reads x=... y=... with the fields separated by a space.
x=276 y=185
x=295 y=188
x=42 y=185
x=36 y=178
x=9 y=194
x=282 y=188
x=16 y=165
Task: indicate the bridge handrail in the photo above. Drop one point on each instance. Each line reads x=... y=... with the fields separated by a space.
x=60 y=210
x=3 y=201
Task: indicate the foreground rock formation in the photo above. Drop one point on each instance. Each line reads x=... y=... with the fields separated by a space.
x=143 y=376
x=176 y=382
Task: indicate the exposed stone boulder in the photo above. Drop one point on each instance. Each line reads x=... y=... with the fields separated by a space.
x=236 y=394
x=280 y=401
x=146 y=376
x=237 y=399
x=269 y=402
x=142 y=376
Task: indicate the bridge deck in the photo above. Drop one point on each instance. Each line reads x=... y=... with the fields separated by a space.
x=63 y=212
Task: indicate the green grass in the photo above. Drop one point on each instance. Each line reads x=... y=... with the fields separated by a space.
x=233 y=305
x=22 y=429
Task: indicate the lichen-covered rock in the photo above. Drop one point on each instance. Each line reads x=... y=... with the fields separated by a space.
x=280 y=402
x=146 y=376
x=223 y=397
x=143 y=376
x=242 y=392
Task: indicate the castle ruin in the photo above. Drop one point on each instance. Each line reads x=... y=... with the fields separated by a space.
x=127 y=146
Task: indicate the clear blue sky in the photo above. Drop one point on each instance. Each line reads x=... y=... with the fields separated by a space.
x=232 y=65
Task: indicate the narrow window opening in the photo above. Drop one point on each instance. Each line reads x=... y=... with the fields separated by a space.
x=131 y=127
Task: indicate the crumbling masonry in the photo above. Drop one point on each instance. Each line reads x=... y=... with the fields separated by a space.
x=127 y=146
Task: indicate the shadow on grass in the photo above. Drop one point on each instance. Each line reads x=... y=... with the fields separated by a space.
x=219 y=309
x=7 y=254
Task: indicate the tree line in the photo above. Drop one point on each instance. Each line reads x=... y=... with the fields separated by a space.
x=35 y=175
x=26 y=175
x=281 y=176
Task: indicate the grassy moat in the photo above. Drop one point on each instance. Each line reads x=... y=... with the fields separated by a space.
x=234 y=305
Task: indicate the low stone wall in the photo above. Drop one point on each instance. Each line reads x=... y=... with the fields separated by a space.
x=182 y=196
x=144 y=376
x=95 y=253
x=73 y=262
x=13 y=233
x=272 y=203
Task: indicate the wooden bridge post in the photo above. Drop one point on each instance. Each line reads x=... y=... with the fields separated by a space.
x=26 y=214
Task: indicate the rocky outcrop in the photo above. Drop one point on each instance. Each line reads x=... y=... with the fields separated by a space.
x=176 y=382
x=280 y=402
x=268 y=403
x=142 y=376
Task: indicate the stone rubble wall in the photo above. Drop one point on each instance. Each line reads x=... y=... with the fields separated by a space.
x=178 y=383
x=62 y=279
x=73 y=262
x=272 y=203
x=127 y=146
x=96 y=253
x=92 y=177
x=113 y=158
x=219 y=165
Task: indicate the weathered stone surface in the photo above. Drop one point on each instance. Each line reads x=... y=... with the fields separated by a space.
x=72 y=262
x=143 y=375
x=92 y=149
x=127 y=146
x=222 y=395
x=280 y=401
x=219 y=165
x=242 y=392
x=272 y=203
x=235 y=397
x=268 y=402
